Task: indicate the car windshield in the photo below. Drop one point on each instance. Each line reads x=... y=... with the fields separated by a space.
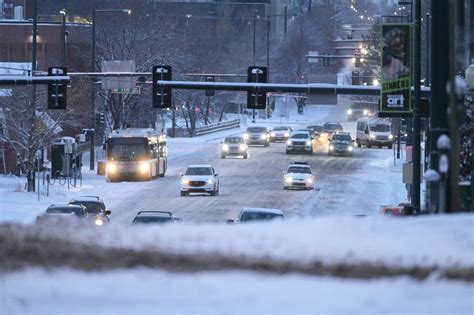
x=151 y=219
x=380 y=127
x=257 y=216
x=92 y=207
x=234 y=140
x=299 y=169
x=316 y=128
x=78 y=211
x=280 y=129
x=256 y=129
x=199 y=171
x=338 y=137
x=300 y=136
x=332 y=127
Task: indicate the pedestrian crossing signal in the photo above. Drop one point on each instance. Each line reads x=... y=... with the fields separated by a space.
x=57 y=92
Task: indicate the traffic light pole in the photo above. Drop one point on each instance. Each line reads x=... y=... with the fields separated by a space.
x=416 y=110
x=92 y=148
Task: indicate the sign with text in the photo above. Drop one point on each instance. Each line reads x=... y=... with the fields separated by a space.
x=396 y=74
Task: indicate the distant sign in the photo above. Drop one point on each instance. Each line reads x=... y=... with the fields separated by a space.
x=122 y=82
x=135 y=90
x=396 y=74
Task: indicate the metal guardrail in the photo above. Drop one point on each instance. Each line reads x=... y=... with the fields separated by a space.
x=200 y=131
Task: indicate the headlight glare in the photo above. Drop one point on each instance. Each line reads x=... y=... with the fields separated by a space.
x=263 y=137
x=309 y=180
x=372 y=136
x=98 y=222
x=349 y=111
x=289 y=142
x=287 y=134
x=331 y=147
x=111 y=167
x=242 y=147
x=185 y=181
x=144 y=167
x=210 y=181
x=308 y=143
x=390 y=137
x=246 y=136
x=350 y=148
x=225 y=147
x=288 y=179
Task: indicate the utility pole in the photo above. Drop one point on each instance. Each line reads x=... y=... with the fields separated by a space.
x=416 y=110
x=92 y=134
x=63 y=37
x=254 y=51
x=31 y=173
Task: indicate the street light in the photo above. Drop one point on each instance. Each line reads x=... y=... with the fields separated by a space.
x=94 y=11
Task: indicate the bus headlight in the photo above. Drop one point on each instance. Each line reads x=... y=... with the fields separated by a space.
x=246 y=136
x=144 y=167
x=390 y=137
x=242 y=148
x=111 y=167
x=225 y=147
x=372 y=136
x=349 y=111
x=331 y=147
x=365 y=112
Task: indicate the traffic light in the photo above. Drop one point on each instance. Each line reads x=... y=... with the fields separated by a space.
x=57 y=92
x=326 y=60
x=161 y=95
x=257 y=99
x=99 y=119
x=210 y=79
x=355 y=77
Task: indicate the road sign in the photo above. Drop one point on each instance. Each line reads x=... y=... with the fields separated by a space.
x=134 y=90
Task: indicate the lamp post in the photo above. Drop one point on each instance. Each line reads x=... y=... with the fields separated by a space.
x=93 y=68
x=470 y=82
x=63 y=37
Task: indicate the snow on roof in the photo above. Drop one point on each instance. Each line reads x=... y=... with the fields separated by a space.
x=134 y=132
x=199 y=165
x=264 y=210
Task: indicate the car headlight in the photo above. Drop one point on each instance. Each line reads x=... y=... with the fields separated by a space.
x=273 y=134
x=372 y=136
x=390 y=137
x=308 y=143
x=309 y=180
x=210 y=181
x=246 y=136
x=289 y=142
x=331 y=147
x=242 y=147
x=365 y=112
x=349 y=111
x=288 y=179
x=350 y=148
x=225 y=147
x=263 y=137
x=144 y=167
x=98 y=222
x=185 y=181
x=111 y=167
x=287 y=134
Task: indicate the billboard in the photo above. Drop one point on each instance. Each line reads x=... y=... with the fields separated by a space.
x=396 y=71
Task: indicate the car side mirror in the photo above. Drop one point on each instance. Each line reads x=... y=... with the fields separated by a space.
x=230 y=221
x=108 y=212
x=366 y=132
x=216 y=174
x=353 y=141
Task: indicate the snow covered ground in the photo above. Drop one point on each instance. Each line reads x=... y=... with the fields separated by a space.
x=439 y=244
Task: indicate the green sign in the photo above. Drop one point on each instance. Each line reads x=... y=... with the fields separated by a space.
x=134 y=90
x=396 y=71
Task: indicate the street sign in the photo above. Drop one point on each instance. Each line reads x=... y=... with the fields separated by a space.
x=396 y=74
x=134 y=90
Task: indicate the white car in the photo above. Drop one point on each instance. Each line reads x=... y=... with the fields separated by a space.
x=280 y=133
x=200 y=179
x=298 y=175
x=234 y=146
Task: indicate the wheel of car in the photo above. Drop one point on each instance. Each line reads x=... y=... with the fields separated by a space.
x=359 y=144
x=390 y=146
x=246 y=156
x=380 y=146
x=222 y=156
x=183 y=193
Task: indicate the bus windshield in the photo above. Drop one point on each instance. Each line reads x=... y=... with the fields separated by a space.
x=126 y=149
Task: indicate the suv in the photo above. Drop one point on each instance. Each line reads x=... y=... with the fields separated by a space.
x=200 y=179
x=56 y=213
x=341 y=143
x=257 y=214
x=298 y=175
x=299 y=141
x=155 y=217
x=95 y=207
x=331 y=128
x=280 y=133
x=257 y=135
x=234 y=146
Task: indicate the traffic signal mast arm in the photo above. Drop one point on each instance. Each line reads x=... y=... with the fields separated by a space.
x=313 y=88
x=26 y=80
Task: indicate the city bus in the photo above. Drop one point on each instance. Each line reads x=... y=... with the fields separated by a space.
x=135 y=154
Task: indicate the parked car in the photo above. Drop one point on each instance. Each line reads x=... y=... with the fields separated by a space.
x=299 y=141
x=200 y=179
x=331 y=128
x=257 y=135
x=342 y=144
x=257 y=214
x=95 y=207
x=280 y=133
x=299 y=176
x=145 y=217
x=234 y=146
